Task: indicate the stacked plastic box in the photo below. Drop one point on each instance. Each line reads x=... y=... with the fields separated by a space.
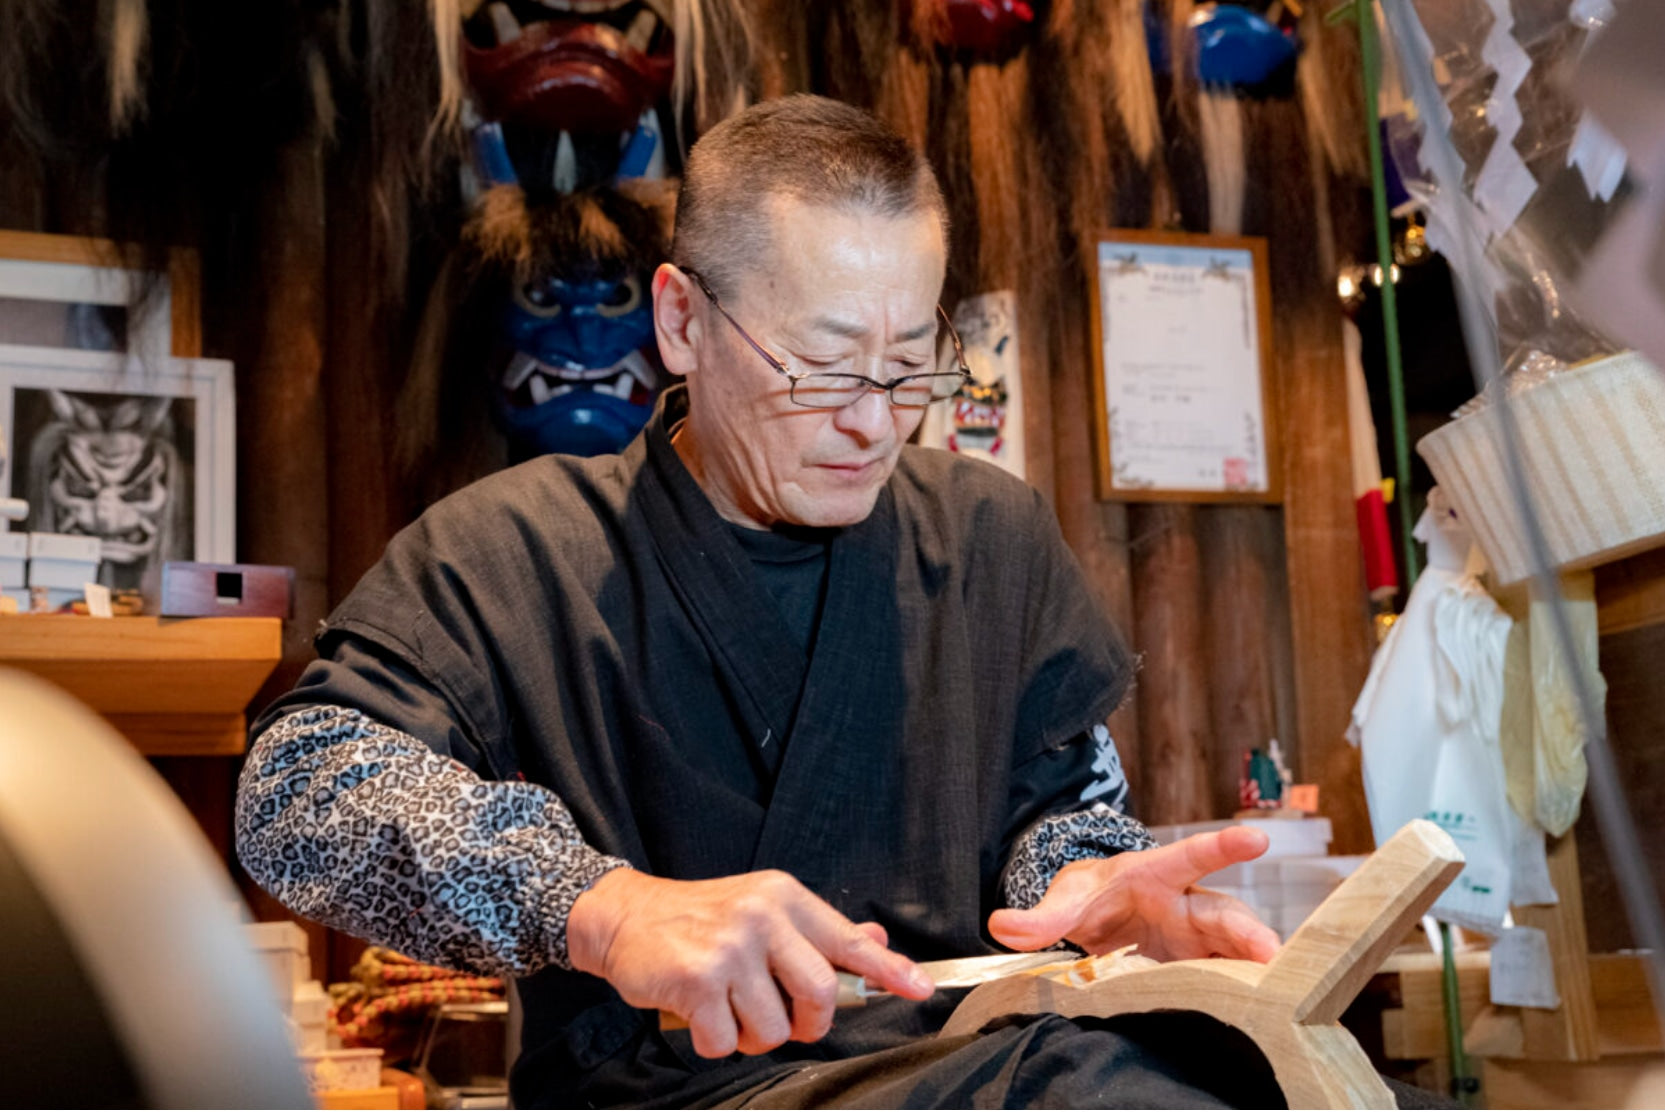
x=14 y=562
x=1288 y=883
x=283 y=948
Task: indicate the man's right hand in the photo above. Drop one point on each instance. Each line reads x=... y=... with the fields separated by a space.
x=751 y=961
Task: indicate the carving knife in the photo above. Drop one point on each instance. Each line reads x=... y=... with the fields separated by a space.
x=950 y=973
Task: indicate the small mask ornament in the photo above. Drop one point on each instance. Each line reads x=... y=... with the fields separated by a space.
x=582 y=370
x=594 y=76
x=985 y=28
x=979 y=417
x=985 y=419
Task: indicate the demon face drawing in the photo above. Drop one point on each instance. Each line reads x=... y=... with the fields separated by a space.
x=979 y=417
x=106 y=466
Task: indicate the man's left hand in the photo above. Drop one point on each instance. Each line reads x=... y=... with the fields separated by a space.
x=1148 y=897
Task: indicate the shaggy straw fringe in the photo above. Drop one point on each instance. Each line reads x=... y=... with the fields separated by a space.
x=1220 y=126
x=780 y=47
x=714 y=48
x=418 y=403
x=904 y=99
x=501 y=231
x=995 y=97
x=1182 y=63
x=1328 y=78
x=447 y=17
x=1134 y=85
x=126 y=27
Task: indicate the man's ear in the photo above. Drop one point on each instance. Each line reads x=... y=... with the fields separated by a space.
x=675 y=319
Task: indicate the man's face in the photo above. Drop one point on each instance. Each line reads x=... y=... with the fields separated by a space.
x=844 y=291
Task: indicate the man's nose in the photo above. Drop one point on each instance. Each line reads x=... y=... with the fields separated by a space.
x=867 y=418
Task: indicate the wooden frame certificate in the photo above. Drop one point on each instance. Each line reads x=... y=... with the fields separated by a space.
x=1182 y=337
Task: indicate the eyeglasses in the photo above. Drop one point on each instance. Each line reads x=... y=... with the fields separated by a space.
x=820 y=390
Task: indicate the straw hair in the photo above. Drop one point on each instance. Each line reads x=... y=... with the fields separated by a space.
x=447 y=18
x=1327 y=76
x=1220 y=126
x=995 y=97
x=714 y=47
x=904 y=100
x=127 y=31
x=1131 y=78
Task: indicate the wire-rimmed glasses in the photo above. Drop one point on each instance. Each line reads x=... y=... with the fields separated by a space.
x=826 y=390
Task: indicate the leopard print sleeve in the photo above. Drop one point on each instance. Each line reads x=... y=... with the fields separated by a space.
x=364 y=828
x=1055 y=841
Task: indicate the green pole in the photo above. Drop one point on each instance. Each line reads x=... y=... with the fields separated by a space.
x=1461 y=1083
x=1370 y=51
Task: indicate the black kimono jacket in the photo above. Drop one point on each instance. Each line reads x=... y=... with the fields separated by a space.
x=594 y=627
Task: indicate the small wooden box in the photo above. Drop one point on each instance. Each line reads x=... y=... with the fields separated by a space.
x=191 y=590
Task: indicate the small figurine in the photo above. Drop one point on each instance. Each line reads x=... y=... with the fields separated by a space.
x=1265 y=781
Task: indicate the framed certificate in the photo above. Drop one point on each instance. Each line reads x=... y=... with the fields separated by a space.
x=1184 y=407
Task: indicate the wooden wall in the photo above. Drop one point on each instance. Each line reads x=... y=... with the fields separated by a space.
x=1252 y=620
x=1630 y=596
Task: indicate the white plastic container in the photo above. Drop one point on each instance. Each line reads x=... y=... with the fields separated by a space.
x=14 y=556
x=1283 y=891
x=1289 y=881
x=63 y=560
x=282 y=946
x=309 y=1017
x=1289 y=837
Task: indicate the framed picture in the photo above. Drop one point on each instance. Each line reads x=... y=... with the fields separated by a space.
x=138 y=452
x=78 y=293
x=1184 y=406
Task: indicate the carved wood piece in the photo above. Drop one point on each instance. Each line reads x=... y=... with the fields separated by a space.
x=1290 y=1006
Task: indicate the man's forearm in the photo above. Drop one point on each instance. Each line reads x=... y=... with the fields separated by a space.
x=361 y=827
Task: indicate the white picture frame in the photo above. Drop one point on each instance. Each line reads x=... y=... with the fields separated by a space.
x=194 y=434
x=59 y=288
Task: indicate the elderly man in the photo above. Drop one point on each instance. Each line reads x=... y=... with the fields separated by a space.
x=769 y=696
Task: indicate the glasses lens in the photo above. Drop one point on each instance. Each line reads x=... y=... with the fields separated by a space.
x=925 y=389
x=828 y=391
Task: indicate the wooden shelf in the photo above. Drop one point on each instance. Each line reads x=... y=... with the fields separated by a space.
x=172 y=686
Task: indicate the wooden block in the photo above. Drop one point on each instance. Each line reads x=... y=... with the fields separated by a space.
x=1626 y=1022
x=1631 y=1081
x=146 y=665
x=173 y=688
x=1630 y=593
x=195 y=590
x=1495 y=1033
x=1289 y=1007
x=184 y=735
x=1327 y=961
x=1567 y=1033
x=1416 y=1029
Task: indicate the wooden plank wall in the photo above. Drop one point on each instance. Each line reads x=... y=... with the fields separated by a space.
x=1252 y=620
x=1630 y=597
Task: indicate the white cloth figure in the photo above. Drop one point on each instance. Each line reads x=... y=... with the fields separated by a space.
x=985 y=419
x=1427 y=725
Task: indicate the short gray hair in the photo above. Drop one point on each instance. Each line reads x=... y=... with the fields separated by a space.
x=812 y=149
